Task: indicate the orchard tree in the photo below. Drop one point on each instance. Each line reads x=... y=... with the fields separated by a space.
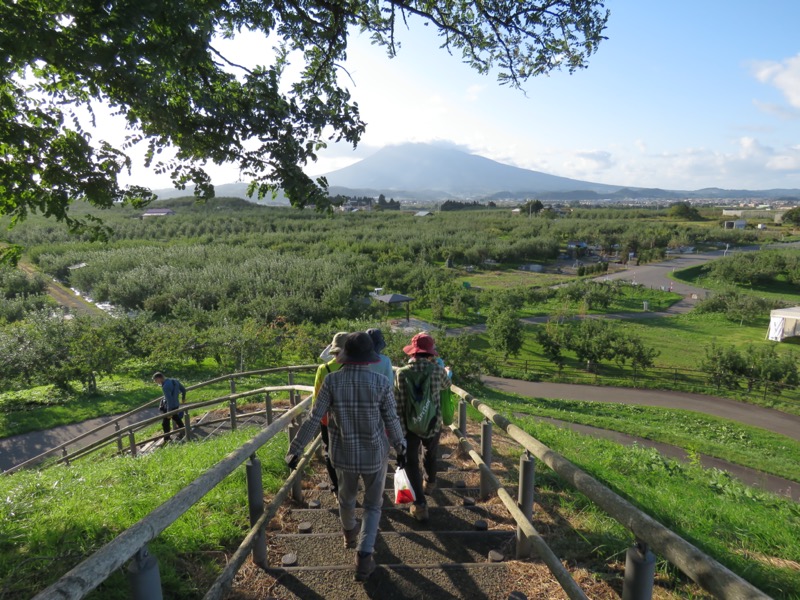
x=159 y=67
x=505 y=333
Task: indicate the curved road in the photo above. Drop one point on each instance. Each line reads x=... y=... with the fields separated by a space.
x=749 y=414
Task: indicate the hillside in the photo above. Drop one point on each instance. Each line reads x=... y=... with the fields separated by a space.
x=431 y=169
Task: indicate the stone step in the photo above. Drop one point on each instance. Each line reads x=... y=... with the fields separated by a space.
x=450 y=518
x=475 y=581
x=409 y=547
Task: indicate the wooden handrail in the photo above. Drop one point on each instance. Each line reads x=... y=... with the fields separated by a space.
x=90 y=573
x=564 y=578
x=146 y=405
x=96 y=445
x=698 y=566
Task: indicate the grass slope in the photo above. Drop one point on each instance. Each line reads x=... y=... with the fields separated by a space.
x=54 y=518
x=755 y=534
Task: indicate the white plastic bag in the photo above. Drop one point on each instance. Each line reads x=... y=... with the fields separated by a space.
x=403 y=492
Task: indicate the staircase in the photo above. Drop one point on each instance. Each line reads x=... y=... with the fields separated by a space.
x=463 y=551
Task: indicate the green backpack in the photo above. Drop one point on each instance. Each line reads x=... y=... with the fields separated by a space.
x=420 y=407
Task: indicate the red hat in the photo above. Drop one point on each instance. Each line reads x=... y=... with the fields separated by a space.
x=421 y=343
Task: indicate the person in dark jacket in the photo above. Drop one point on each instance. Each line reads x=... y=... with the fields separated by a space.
x=172 y=388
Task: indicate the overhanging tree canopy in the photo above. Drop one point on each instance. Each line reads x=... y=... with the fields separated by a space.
x=155 y=62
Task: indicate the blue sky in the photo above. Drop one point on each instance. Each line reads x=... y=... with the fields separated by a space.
x=682 y=95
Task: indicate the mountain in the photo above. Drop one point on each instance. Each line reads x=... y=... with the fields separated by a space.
x=433 y=172
x=438 y=172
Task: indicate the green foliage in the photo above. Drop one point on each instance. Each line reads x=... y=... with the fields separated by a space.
x=505 y=333
x=792 y=216
x=737 y=306
x=157 y=66
x=756 y=268
x=684 y=211
x=594 y=341
x=48 y=514
x=724 y=365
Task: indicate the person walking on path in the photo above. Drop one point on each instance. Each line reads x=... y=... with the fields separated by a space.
x=420 y=382
x=385 y=366
x=362 y=411
x=171 y=389
x=333 y=349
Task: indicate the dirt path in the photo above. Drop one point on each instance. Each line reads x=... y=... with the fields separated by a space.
x=749 y=414
x=63 y=295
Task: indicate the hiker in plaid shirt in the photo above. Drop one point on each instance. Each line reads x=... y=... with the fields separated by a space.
x=361 y=411
x=421 y=350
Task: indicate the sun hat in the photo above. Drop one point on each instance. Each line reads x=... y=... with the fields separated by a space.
x=335 y=347
x=422 y=343
x=377 y=339
x=358 y=349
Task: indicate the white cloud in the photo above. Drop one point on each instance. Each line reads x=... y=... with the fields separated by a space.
x=784 y=76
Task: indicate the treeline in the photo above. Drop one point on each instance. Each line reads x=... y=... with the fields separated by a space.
x=451 y=205
x=756 y=268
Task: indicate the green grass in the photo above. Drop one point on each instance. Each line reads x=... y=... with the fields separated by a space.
x=777 y=290
x=728 y=440
x=729 y=521
x=44 y=407
x=53 y=519
x=630 y=300
x=682 y=341
x=506 y=279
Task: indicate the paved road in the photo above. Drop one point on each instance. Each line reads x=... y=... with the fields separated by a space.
x=749 y=414
x=765 y=481
x=19 y=448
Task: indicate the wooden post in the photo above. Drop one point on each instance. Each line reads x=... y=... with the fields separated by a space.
x=255 y=502
x=144 y=576
x=119 y=437
x=525 y=500
x=462 y=417
x=232 y=410
x=486 y=455
x=640 y=569
x=233 y=385
x=188 y=425
x=132 y=440
x=64 y=454
x=291 y=392
x=268 y=403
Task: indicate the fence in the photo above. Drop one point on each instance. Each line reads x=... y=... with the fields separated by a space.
x=649 y=533
x=132 y=543
x=129 y=431
x=670 y=378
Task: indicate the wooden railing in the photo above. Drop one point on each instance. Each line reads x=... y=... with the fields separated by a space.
x=132 y=543
x=117 y=434
x=649 y=533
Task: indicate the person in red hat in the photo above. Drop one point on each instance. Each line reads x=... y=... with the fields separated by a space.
x=418 y=387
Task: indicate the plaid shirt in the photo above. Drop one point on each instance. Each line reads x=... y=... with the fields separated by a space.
x=439 y=381
x=362 y=412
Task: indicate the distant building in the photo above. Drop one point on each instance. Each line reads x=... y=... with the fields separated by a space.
x=738 y=224
x=158 y=212
x=532 y=268
x=423 y=213
x=516 y=211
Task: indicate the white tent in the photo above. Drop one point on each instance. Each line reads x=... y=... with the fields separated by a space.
x=784 y=323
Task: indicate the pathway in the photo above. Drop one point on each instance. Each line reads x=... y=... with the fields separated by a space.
x=19 y=448
x=772 y=483
x=749 y=414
